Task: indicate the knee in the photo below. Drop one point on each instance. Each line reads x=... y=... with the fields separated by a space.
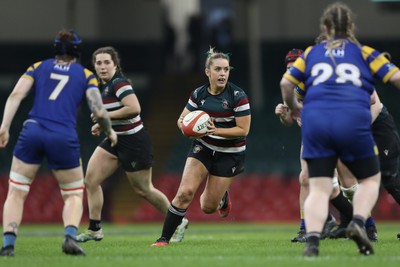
x=208 y=209
x=303 y=178
x=208 y=206
x=184 y=197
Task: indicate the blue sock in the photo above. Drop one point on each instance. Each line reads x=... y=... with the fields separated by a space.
x=369 y=222
x=302 y=224
x=71 y=231
x=9 y=239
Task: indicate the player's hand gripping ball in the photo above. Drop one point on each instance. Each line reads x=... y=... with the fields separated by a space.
x=195 y=124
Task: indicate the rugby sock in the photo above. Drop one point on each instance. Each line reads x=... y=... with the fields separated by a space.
x=344 y=221
x=392 y=185
x=173 y=219
x=9 y=239
x=370 y=222
x=313 y=238
x=359 y=220
x=343 y=205
x=71 y=231
x=302 y=222
x=94 y=225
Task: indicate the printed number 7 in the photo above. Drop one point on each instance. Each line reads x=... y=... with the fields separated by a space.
x=63 y=80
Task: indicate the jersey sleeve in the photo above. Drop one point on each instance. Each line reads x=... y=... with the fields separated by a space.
x=300 y=91
x=242 y=105
x=192 y=102
x=30 y=72
x=379 y=65
x=122 y=88
x=92 y=82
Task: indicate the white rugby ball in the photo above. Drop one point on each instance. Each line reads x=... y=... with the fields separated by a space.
x=194 y=124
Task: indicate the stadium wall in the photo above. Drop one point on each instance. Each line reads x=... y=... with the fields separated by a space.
x=255 y=198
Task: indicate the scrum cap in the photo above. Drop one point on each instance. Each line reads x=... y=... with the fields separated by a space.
x=292 y=55
x=72 y=47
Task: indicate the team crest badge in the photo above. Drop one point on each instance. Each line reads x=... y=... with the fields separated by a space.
x=225 y=104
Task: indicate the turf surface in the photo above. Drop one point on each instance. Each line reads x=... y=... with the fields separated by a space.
x=211 y=245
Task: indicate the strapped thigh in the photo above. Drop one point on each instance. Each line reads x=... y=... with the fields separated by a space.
x=72 y=188
x=19 y=181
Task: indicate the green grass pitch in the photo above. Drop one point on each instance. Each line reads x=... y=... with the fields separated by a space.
x=210 y=245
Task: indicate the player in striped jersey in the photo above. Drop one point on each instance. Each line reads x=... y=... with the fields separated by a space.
x=134 y=151
x=218 y=156
x=339 y=77
x=60 y=84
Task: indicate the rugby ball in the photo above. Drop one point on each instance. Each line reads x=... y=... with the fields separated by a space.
x=194 y=124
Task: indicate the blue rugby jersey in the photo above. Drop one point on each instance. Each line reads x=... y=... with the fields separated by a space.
x=59 y=89
x=223 y=108
x=339 y=82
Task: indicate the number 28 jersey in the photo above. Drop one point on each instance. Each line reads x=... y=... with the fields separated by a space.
x=59 y=89
x=342 y=76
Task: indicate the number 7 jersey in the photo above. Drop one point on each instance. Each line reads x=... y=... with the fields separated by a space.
x=341 y=76
x=59 y=87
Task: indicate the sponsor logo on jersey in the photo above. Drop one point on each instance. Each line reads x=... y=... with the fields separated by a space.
x=339 y=53
x=386 y=152
x=197 y=149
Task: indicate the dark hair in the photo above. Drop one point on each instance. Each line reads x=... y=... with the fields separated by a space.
x=67 y=42
x=211 y=55
x=292 y=55
x=112 y=52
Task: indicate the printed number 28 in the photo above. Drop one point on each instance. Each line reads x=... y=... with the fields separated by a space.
x=346 y=73
x=62 y=81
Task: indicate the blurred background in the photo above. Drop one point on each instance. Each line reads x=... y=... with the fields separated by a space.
x=162 y=44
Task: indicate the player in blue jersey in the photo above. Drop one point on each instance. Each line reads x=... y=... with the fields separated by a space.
x=339 y=77
x=337 y=198
x=60 y=84
x=133 y=152
x=218 y=156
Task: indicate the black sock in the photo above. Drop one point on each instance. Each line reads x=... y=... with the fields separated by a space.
x=172 y=220
x=392 y=185
x=345 y=208
x=94 y=225
x=313 y=238
x=344 y=222
x=359 y=220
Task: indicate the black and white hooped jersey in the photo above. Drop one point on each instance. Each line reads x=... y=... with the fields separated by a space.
x=223 y=108
x=112 y=94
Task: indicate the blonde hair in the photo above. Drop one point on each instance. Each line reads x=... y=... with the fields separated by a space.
x=212 y=54
x=338 y=19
